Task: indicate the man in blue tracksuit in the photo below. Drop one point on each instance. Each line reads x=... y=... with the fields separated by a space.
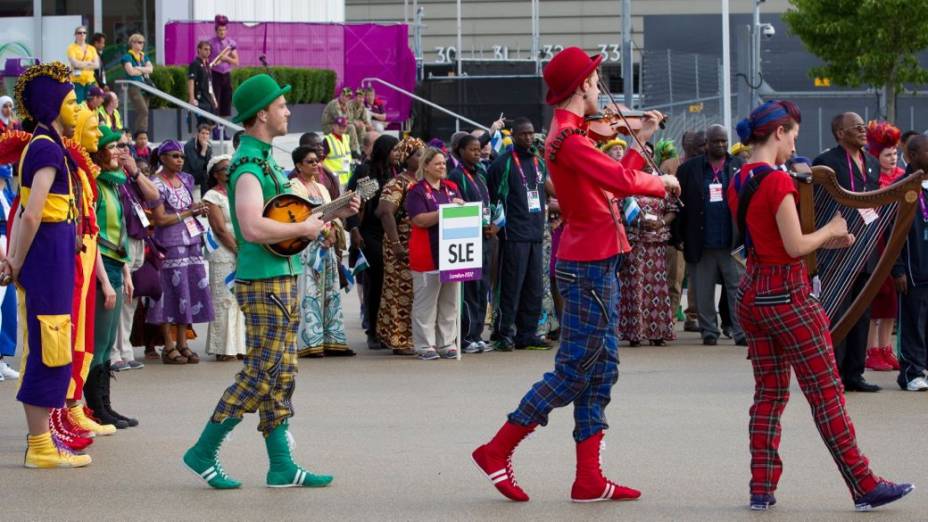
x=911 y=276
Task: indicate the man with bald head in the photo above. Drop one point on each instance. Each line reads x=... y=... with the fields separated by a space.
x=856 y=172
x=693 y=144
x=705 y=225
x=911 y=276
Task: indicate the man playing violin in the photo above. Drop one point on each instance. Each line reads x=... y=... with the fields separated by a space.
x=588 y=184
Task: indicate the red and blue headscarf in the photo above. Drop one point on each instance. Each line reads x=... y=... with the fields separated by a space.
x=766 y=118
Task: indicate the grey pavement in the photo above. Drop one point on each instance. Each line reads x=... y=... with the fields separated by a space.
x=397 y=434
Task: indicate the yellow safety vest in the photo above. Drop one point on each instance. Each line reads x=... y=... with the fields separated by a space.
x=338 y=160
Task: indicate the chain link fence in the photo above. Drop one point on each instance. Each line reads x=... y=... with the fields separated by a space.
x=687 y=87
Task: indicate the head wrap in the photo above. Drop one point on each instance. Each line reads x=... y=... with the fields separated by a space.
x=438 y=144
x=408 y=147
x=881 y=135
x=3 y=101
x=765 y=118
x=215 y=160
x=41 y=90
x=169 y=146
x=664 y=150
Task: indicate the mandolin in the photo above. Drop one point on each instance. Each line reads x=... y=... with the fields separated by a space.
x=290 y=208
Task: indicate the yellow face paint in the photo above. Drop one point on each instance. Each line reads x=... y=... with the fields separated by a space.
x=67 y=113
x=90 y=132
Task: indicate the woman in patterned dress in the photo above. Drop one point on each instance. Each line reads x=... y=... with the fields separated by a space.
x=186 y=298
x=225 y=337
x=644 y=308
x=394 y=321
x=322 y=325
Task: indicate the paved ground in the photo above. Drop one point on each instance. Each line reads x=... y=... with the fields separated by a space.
x=397 y=434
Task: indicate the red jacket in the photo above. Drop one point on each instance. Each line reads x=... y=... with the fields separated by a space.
x=585 y=181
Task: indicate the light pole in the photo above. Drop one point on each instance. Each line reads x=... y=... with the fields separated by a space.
x=726 y=69
x=627 y=74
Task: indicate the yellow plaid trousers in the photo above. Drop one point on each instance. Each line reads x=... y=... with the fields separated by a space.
x=265 y=383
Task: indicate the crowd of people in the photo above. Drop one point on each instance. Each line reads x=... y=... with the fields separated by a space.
x=149 y=242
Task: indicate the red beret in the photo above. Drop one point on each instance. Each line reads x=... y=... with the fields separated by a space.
x=566 y=72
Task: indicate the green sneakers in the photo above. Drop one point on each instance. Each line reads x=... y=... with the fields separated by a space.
x=203 y=458
x=283 y=472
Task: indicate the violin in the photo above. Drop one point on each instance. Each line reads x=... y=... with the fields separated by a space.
x=616 y=119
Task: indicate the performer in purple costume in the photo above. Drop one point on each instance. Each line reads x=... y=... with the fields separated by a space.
x=41 y=258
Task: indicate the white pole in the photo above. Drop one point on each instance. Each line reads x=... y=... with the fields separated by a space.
x=38 y=50
x=457 y=52
x=726 y=69
x=627 y=70
x=536 y=36
x=755 y=55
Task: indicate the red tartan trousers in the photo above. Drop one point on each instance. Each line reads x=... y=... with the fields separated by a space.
x=787 y=328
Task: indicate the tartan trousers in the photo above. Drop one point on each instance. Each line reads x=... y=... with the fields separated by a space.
x=587 y=362
x=265 y=383
x=787 y=328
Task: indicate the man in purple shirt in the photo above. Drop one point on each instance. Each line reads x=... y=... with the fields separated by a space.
x=222 y=69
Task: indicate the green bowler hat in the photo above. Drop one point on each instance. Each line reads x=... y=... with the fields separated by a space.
x=254 y=94
x=109 y=136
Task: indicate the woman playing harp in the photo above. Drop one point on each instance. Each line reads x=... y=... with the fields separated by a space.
x=785 y=326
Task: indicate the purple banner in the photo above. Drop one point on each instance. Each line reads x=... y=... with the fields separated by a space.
x=353 y=51
x=460 y=275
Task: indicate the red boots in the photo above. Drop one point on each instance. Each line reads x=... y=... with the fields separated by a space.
x=495 y=459
x=60 y=429
x=590 y=484
x=881 y=359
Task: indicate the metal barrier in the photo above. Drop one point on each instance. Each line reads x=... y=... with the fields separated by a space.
x=218 y=120
x=368 y=81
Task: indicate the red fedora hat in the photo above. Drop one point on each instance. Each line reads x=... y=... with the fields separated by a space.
x=566 y=71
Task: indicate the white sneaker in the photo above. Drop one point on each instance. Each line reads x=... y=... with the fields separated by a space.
x=8 y=373
x=917 y=384
x=473 y=347
x=486 y=347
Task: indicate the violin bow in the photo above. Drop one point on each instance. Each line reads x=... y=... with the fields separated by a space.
x=644 y=151
x=648 y=157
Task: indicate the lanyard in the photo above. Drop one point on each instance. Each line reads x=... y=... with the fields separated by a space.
x=850 y=171
x=923 y=206
x=480 y=187
x=431 y=197
x=518 y=162
x=716 y=172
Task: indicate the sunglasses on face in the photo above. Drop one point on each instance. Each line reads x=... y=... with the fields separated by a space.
x=81 y=32
x=122 y=145
x=176 y=156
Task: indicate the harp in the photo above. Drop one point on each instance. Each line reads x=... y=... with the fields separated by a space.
x=820 y=196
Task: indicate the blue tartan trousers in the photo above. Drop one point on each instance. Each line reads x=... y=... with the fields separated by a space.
x=587 y=362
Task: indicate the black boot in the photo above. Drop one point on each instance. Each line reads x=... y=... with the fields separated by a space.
x=93 y=396
x=107 y=377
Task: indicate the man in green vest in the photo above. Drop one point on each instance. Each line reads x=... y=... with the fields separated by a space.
x=266 y=289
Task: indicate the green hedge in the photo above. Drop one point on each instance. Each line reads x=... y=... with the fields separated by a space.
x=309 y=85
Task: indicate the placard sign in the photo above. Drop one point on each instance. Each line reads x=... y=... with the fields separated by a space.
x=460 y=242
